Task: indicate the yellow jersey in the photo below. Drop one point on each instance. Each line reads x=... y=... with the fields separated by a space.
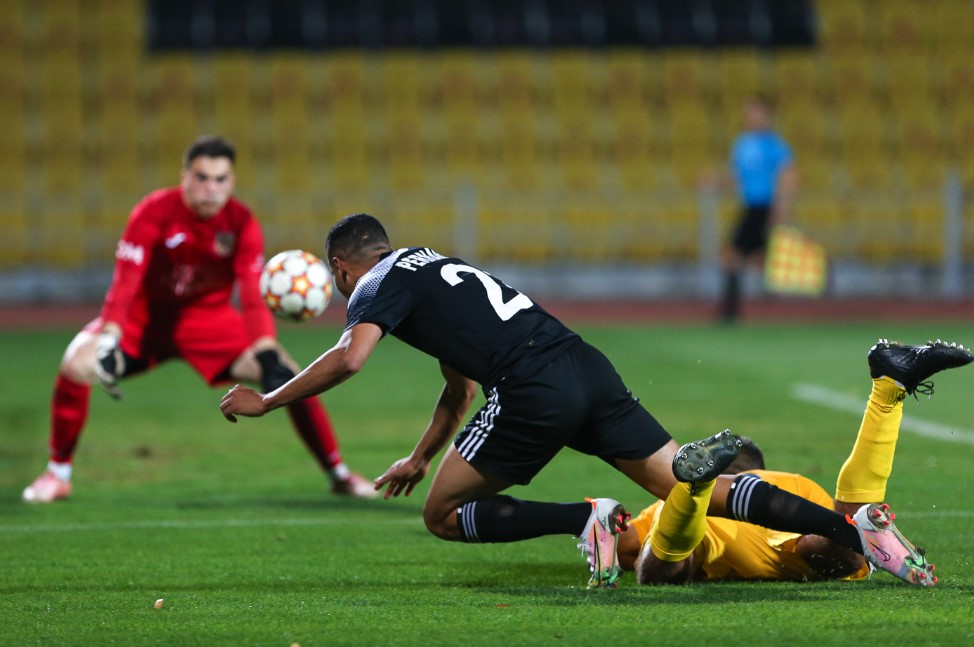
x=735 y=550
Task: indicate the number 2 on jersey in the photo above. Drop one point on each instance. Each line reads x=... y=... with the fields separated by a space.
x=504 y=309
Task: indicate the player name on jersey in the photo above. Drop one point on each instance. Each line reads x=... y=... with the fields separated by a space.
x=418 y=259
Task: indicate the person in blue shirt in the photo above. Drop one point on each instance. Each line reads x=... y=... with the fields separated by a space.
x=766 y=178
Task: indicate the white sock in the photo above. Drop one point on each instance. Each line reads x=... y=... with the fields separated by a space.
x=60 y=470
x=339 y=472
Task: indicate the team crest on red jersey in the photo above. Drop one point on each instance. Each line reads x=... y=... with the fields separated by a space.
x=223 y=243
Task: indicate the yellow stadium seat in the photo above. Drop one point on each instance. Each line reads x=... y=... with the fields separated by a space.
x=403 y=81
x=795 y=76
x=958 y=75
x=925 y=218
x=852 y=78
x=951 y=27
x=739 y=74
x=689 y=162
x=346 y=82
x=408 y=165
x=516 y=82
x=233 y=98
x=899 y=30
x=574 y=76
x=924 y=173
x=60 y=27
x=686 y=74
x=869 y=170
x=635 y=151
x=862 y=126
x=459 y=81
x=910 y=80
x=521 y=230
x=632 y=78
x=920 y=133
x=689 y=123
x=961 y=140
x=16 y=226
x=13 y=167
x=816 y=172
x=804 y=124
x=844 y=25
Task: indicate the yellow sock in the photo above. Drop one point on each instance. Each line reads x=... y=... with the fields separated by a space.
x=682 y=521
x=864 y=475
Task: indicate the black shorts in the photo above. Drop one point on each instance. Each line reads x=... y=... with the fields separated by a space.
x=751 y=234
x=577 y=400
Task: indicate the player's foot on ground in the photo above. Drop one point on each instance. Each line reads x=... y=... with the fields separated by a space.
x=911 y=365
x=705 y=459
x=354 y=486
x=46 y=488
x=887 y=549
x=600 y=539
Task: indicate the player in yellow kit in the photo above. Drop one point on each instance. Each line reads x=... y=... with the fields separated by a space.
x=675 y=542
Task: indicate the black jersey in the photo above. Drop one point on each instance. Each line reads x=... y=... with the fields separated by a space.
x=463 y=316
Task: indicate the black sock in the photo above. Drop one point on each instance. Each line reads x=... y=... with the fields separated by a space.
x=273 y=374
x=731 y=304
x=756 y=501
x=501 y=518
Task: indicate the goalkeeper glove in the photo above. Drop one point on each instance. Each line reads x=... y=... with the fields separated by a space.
x=109 y=363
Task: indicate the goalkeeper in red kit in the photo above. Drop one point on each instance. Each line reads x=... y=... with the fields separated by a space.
x=183 y=251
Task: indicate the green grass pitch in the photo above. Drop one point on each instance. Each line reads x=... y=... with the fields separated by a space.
x=233 y=527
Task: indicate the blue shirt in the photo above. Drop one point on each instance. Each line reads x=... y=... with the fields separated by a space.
x=756 y=159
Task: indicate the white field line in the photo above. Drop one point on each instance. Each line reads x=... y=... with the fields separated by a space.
x=822 y=396
x=178 y=524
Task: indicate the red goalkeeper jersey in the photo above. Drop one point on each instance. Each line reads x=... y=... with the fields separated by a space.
x=171 y=259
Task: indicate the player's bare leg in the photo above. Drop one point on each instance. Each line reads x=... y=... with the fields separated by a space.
x=653 y=473
x=78 y=362
x=456 y=483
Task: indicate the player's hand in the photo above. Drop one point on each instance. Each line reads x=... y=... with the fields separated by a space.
x=242 y=401
x=109 y=362
x=402 y=476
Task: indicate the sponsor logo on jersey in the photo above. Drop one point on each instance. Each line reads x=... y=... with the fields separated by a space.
x=418 y=259
x=175 y=240
x=223 y=243
x=126 y=251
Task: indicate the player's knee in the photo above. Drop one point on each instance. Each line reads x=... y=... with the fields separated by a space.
x=273 y=373
x=78 y=367
x=440 y=524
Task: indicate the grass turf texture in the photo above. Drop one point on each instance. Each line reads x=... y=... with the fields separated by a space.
x=234 y=528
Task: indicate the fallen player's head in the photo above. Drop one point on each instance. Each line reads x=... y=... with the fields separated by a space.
x=749 y=457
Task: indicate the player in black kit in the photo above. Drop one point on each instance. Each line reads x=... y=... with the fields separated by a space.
x=546 y=389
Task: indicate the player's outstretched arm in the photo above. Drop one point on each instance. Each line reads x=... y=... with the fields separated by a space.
x=451 y=408
x=338 y=364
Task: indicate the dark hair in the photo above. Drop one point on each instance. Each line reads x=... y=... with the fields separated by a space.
x=209 y=146
x=355 y=235
x=762 y=99
x=749 y=457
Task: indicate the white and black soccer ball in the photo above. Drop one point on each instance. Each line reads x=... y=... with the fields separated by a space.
x=296 y=285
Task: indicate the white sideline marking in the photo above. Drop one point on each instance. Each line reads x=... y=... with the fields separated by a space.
x=178 y=524
x=844 y=402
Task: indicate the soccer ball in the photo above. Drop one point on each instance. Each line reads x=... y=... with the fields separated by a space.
x=296 y=285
